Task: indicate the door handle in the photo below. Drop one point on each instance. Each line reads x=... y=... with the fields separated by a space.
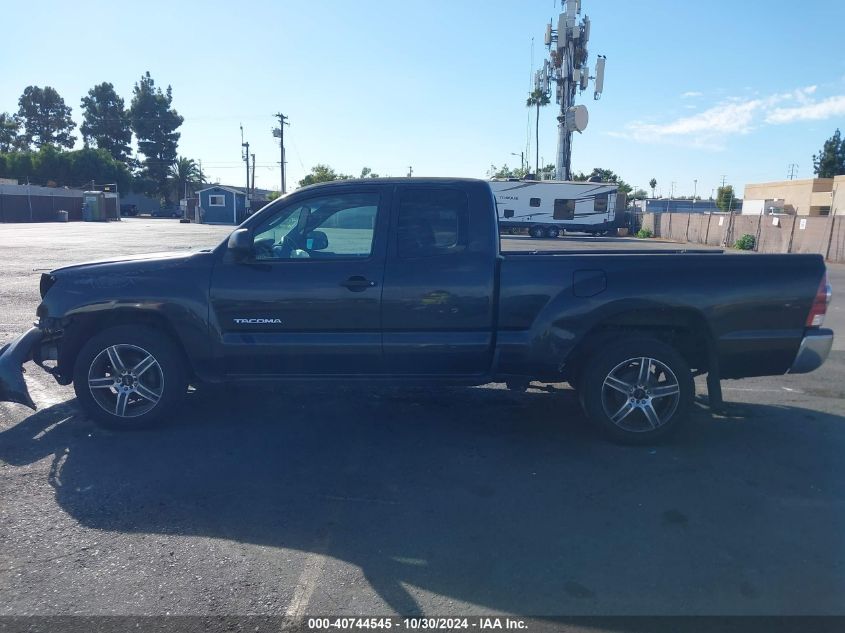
x=358 y=283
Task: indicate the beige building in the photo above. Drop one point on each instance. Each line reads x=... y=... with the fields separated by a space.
x=797 y=197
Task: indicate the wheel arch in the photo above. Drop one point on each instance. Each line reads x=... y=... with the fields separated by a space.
x=684 y=329
x=84 y=325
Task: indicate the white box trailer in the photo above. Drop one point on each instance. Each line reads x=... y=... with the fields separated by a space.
x=548 y=208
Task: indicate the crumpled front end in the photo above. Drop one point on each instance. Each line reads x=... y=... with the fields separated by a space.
x=12 y=357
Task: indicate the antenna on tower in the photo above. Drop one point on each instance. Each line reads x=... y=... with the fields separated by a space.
x=567 y=67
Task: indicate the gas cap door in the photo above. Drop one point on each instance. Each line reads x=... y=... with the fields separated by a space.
x=588 y=283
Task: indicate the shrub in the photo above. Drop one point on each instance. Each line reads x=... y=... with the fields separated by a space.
x=644 y=234
x=746 y=242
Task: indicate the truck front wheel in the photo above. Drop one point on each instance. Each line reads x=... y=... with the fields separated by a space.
x=129 y=377
x=537 y=232
x=637 y=391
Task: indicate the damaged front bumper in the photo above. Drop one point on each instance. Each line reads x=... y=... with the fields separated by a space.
x=12 y=357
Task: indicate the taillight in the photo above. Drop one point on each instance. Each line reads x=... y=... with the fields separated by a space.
x=820 y=303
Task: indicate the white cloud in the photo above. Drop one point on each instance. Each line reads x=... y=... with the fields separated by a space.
x=811 y=111
x=711 y=128
x=691 y=94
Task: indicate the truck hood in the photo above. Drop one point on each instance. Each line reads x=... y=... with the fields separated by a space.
x=170 y=257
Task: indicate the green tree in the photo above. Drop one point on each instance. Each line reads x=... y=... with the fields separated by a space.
x=504 y=172
x=46 y=118
x=830 y=161
x=106 y=122
x=185 y=173
x=89 y=164
x=366 y=172
x=639 y=194
x=9 y=128
x=547 y=172
x=653 y=184
x=273 y=195
x=53 y=166
x=155 y=123
x=17 y=165
x=600 y=174
x=322 y=173
x=537 y=98
x=725 y=200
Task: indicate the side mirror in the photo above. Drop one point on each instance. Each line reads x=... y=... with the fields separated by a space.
x=240 y=243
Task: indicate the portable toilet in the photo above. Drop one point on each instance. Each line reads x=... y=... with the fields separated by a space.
x=94 y=206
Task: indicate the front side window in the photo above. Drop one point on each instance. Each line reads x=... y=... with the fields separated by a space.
x=432 y=222
x=339 y=226
x=217 y=201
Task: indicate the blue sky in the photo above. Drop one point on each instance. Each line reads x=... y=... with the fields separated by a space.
x=694 y=90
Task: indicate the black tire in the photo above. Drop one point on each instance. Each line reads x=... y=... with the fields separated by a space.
x=553 y=232
x=643 y=416
x=148 y=398
x=537 y=232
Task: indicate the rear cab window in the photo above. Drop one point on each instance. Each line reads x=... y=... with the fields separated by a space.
x=432 y=222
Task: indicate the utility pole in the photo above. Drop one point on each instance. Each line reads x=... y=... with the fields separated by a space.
x=245 y=150
x=832 y=221
x=410 y=172
x=792 y=169
x=279 y=133
x=694 y=192
x=253 y=174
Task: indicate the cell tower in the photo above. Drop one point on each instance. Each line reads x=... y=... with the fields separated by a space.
x=567 y=70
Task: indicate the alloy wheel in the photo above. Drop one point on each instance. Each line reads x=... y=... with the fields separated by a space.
x=640 y=394
x=126 y=380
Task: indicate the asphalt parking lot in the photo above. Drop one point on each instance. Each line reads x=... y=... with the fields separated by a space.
x=327 y=499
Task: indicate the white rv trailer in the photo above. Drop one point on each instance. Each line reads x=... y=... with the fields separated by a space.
x=548 y=208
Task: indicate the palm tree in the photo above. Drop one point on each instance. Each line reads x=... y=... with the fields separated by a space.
x=537 y=98
x=653 y=184
x=184 y=172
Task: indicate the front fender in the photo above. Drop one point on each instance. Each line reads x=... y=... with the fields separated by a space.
x=12 y=357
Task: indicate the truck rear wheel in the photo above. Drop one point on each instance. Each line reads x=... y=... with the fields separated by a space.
x=553 y=232
x=637 y=391
x=129 y=377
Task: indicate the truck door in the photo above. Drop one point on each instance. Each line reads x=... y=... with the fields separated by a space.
x=437 y=302
x=309 y=299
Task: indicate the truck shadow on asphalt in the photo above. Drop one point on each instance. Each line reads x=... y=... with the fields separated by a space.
x=504 y=500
